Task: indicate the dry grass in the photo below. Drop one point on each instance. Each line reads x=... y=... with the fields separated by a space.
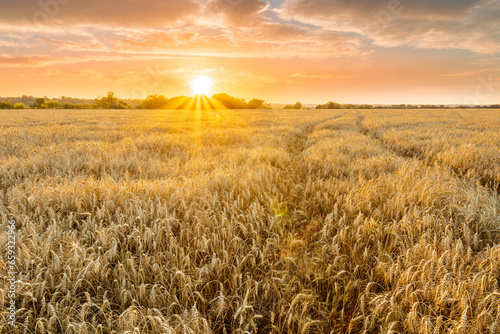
x=257 y=222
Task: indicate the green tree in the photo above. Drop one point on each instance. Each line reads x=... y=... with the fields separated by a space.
x=6 y=105
x=69 y=105
x=110 y=102
x=38 y=104
x=52 y=104
x=19 y=106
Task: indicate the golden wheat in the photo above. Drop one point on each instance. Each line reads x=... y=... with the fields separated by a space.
x=379 y=221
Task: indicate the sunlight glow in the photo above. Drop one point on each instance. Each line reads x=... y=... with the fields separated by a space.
x=202 y=85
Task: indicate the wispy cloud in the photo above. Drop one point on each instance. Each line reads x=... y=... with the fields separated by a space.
x=467 y=24
x=27 y=61
x=37 y=61
x=465 y=74
x=311 y=75
x=142 y=13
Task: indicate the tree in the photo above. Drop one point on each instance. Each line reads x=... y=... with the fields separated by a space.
x=258 y=104
x=6 y=105
x=155 y=102
x=229 y=102
x=68 y=105
x=297 y=105
x=110 y=102
x=52 y=104
x=330 y=105
x=19 y=106
x=39 y=103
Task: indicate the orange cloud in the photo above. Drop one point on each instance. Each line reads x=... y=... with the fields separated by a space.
x=26 y=61
x=310 y=75
x=464 y=74
x=468 y=24
x=237 y=12
x=110 y=12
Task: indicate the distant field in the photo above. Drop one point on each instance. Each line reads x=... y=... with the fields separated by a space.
x=312 y=221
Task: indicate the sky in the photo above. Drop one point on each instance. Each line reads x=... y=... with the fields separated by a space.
x=283 y=51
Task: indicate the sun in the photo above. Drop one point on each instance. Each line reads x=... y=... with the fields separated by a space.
x=202 y=85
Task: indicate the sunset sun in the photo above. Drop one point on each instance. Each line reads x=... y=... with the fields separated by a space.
x=202 y=85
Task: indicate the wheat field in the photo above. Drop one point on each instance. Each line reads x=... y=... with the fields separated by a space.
x=341 y=221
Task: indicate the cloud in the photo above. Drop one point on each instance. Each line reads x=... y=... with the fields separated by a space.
x=10 y=42
x=136 y=29
x=311 y=75
x=222 y=28
x=37 y=61
x=109 y=12
x=367 y=9
x=53 y=73
x=237 y=12
x=463 y=24
x=27 y=61
x=464 y=74
x=240 y=79
x=90 y=44
x=263 y=40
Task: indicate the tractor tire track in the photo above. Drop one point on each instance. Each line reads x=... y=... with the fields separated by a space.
x=296 y=176
x=427 y=160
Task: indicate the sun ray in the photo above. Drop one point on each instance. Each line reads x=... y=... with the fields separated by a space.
x=178 y=103
x=217 y=104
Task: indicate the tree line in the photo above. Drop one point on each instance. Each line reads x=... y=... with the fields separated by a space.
x=334 y=105
x=108 y=102
x=217 y=101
